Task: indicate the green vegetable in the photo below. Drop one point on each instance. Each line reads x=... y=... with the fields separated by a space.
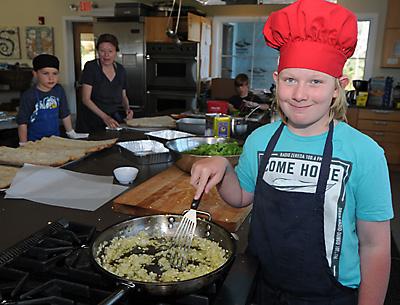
x=217 y=149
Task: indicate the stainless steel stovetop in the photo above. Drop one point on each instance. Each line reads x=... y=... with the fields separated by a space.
x=53 y=266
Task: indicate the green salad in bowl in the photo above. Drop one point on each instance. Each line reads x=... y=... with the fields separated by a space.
x=187 y=151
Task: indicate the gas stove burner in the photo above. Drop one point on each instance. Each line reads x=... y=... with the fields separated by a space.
x=54 y=267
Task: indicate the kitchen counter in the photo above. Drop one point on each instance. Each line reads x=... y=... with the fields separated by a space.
x=20 y=218
x=9 y=124
x=353 y=106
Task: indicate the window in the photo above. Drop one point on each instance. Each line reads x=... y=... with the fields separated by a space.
x=243 y=50
x=87 y=46
x=360 y=65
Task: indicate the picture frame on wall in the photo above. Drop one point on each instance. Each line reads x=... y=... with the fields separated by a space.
x=391 y=49
x=39 y=40
x=9 y=43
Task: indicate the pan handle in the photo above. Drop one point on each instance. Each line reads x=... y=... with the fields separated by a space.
x=118 y=294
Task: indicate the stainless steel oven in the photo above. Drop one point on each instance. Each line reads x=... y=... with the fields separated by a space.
x=163 y=102
x=170 y=66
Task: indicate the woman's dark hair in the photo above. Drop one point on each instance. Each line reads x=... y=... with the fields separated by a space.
x=241 y=79
x=107 y=38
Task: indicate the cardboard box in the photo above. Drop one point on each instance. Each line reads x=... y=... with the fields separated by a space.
x=222 y=88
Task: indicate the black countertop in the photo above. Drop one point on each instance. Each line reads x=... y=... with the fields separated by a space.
x=20 y=218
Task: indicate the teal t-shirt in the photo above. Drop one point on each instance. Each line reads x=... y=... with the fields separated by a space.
x=358 y=186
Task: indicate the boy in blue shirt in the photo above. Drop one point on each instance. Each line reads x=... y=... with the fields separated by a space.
x=43 y=105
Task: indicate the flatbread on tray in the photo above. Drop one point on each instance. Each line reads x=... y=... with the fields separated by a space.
x=63 y=143
x=52 y=151
x=157 y=121
x=7 y=174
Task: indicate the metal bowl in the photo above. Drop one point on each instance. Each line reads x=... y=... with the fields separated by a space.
x=185 y=161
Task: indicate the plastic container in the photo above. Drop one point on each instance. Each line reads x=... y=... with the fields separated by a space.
x=217 y=107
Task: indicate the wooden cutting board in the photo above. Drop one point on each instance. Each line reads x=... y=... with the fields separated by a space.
x=170 y=192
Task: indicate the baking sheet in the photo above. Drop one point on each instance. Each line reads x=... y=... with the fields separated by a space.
x=63 y=188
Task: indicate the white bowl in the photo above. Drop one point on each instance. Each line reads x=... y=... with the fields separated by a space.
x=125 y=174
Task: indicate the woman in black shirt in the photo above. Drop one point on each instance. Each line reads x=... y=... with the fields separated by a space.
x=104 y=85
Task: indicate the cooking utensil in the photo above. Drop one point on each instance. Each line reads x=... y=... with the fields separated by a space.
x=184 y=235
x=239 y=126
x=185 y=161
x=192 y=125
x=251 y=112
x=162 y=225
x=173 y=34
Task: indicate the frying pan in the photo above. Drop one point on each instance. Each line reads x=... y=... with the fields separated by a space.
x=162 y=225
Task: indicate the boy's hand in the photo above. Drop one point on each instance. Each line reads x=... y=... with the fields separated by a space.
x=129 y=114
x=74 y=135
x=207 y=173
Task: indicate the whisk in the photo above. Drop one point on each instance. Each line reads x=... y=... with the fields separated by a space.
x=183 y=236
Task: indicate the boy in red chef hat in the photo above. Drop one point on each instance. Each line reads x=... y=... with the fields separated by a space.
x=320 y=189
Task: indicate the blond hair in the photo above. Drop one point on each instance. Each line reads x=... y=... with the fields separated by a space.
x=337 y=111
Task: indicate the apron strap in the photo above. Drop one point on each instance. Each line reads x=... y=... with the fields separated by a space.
x=326 y=163
x=268 y=151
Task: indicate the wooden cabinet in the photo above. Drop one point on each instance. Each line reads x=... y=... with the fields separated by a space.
x=352 y=116
x=155 y=29
x=189 y=27
x=383 y=126
x=392 y=16
x=391 y=43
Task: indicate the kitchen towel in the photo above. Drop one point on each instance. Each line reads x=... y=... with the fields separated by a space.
x=63 y=188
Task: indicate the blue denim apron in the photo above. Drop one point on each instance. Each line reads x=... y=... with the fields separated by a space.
x=46 y=121
x=287 y=237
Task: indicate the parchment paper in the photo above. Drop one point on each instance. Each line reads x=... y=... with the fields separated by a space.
x=63 y=188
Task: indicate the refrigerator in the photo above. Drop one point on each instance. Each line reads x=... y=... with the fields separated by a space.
x=130 y=35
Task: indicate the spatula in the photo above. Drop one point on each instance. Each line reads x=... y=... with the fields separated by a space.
x=183 y=236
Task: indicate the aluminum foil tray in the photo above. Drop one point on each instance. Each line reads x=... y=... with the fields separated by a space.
x=146 y=151
x=6 y=117
x=166 y=135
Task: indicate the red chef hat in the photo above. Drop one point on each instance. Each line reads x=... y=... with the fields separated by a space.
x=312 y=34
